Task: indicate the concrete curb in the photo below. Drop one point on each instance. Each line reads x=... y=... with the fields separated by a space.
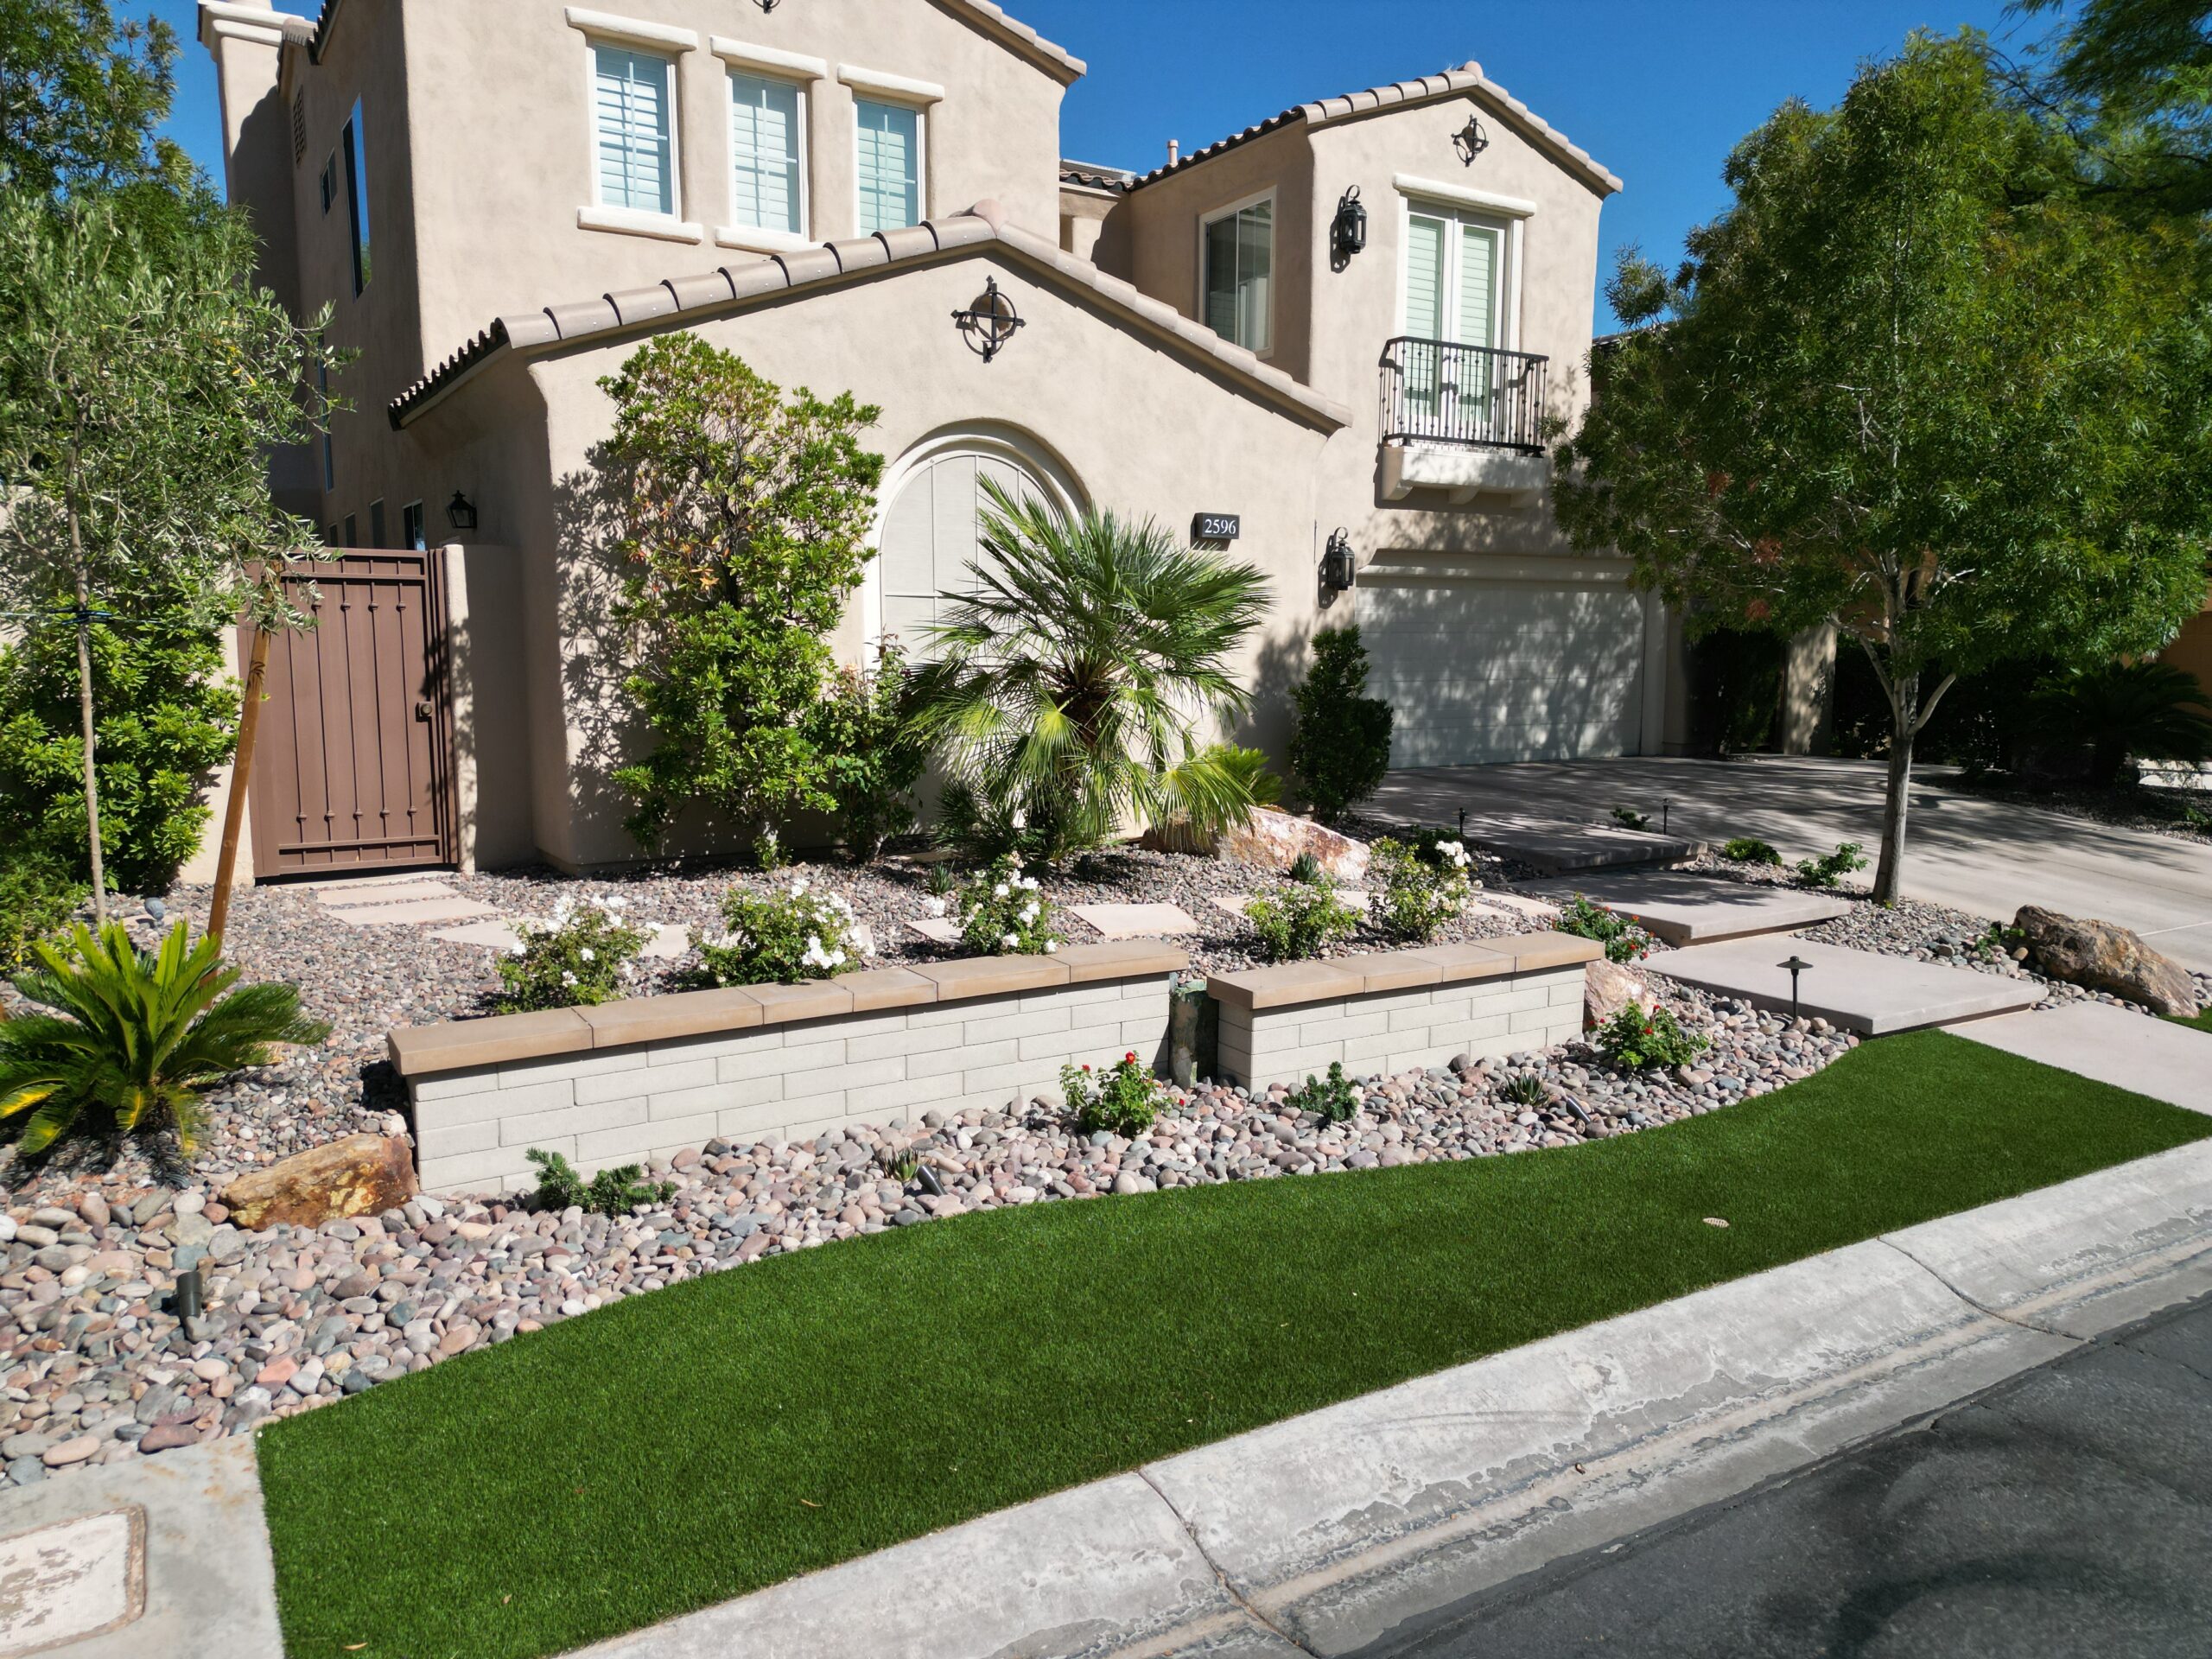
x=1322 y=1533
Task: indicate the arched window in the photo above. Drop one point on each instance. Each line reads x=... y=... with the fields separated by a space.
x=932 y=506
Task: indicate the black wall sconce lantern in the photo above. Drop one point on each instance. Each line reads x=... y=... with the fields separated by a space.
x=461 y=511
x=1469 y=142
x=767 y=5
x=990 y=322
x=1339 y=565
x=1348 y=230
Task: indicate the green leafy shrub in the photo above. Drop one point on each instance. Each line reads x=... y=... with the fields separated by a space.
x=1340 y=748
x=1002 y=914
x=37 y=899
x=1629 y=819
x=1831 y=867
x=1295 y=921
x=1334 y=1096
x=1999 y=942
x=136 y=1037
x=610 y=1193
x=1623 y=939
x=1636 y=1038
x=780 y=938
x=1413 y=896
x=768 y=854
x=1749 y=850
x=1526 y=1090
x=1124 y=1102
x=577 y=960
x=873 y=761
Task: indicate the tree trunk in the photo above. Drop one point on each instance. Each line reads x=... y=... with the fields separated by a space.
x=85 y=714
x=1889 y=875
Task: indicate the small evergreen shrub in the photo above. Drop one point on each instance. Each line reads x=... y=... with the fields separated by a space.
x=1629 y=819
x=1415 y=897
x=781 y=938
x=1002 y=914
x=1124 y=1102
x=1333 y=1097
x=38 y=896
x=578 y=960
x=1636 y=1040
x=610 y=1193
x=1340 y=748
x=1623 y=939
x=1749 y=850
x=1307 y=870
x=1295 y=921
x=1826 y=870
x=873 y=761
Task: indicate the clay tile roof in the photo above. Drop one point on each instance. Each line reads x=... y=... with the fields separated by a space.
x=1094 y=176
x=1467 y=79
x=680 y=302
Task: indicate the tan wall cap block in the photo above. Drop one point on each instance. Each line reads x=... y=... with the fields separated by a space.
x=1458 y=963
x=975 y=976
x=1533 y=952
x=457 y=1045
x=781 y=1004
x=876 y=988
x=664 y=1019
x=1392 y=970
x=1286 y=985
x=1121 y=959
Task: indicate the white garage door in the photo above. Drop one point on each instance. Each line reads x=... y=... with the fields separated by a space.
x=1482 y=671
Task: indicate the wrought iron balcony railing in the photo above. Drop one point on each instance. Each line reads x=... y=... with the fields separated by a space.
x=1438 y=391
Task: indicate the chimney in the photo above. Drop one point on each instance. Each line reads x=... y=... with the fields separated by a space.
x=1174 y=150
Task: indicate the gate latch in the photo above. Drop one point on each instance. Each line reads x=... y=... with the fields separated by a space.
x=423 y=710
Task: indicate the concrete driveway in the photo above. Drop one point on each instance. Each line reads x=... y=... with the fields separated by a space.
x=1988 y=857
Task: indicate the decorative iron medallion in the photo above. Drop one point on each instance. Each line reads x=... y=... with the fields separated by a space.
x=990 y=322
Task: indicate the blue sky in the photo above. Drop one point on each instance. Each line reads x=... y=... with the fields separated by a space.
x=1657 y=90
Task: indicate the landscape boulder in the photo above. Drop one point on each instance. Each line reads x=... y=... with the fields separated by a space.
x=1274 y=840
x=360 y=1175
x=2102 y=957
x=1607 y=987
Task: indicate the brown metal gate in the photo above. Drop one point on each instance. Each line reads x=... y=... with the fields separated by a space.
x=350 y=771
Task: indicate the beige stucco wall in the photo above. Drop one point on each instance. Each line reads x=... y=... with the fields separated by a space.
x=1140 y=428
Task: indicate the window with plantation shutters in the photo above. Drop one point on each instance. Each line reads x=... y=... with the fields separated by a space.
x=766 y=189
x=633 y=96
x=890 y=166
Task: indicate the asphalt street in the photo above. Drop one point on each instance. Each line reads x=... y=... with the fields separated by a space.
x=2068 y=1512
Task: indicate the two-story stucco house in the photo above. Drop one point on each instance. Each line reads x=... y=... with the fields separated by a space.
x=1343 y=328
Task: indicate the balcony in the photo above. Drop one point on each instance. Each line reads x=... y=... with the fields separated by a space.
x=1463 y=419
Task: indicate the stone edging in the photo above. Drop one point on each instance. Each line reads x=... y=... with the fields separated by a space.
x=499 y=1040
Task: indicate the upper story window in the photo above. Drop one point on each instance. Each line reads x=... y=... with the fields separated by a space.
x=767 y=155
x=357 y=195
x=890 y=157
x=1455 y=278
x=1237 y=255
x=634 y=130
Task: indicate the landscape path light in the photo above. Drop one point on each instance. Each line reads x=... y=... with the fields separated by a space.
x=1796 y=965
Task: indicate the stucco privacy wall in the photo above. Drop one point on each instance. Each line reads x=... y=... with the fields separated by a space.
x=652 y=1075
x=1401 y=1010
x=1145 y=429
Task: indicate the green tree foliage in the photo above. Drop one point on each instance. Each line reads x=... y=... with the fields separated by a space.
x=1894 y=389
x=1340 y=749
x=2133 y=80
x=873 y=761
x=81 y=94
x=741 y=515
x=1070 y=693
x=135 y=1036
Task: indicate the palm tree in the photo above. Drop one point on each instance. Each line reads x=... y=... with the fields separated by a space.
x=2151 y=710
x=1076 y=690
x=146 y=1032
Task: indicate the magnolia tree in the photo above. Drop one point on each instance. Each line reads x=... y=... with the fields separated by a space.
x=741 y=515
x=142 y=382
x=1916 y=385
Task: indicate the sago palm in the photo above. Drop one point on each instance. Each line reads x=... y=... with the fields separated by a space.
x=137 y=1036
x=1077 y=689
x=2150 y=710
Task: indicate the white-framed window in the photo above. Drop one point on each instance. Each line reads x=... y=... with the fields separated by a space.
x=889 y=156
x=1457 y=286
x=633 y=129
x=1236 y=264
x=767 y=148
x=356 y=146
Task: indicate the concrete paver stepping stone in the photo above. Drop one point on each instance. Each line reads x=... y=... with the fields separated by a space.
x=1859 y=990
x=493 y=936
x=401 y=892
x=1137 y=921
x=2095 y=1039
x=455 y=909
x=1559 y=848
x=937 y=930
x=1687 y=907
x=1515 y=904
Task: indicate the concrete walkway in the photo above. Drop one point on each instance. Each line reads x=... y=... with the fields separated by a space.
x=2095 y=1039
x=1866 y=991
x=1987 y=857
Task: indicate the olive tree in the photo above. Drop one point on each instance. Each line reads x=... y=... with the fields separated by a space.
x=1910 y=385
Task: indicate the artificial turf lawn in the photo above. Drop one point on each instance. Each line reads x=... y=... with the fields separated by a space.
x=676 y=1449
x=2201 y=1021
